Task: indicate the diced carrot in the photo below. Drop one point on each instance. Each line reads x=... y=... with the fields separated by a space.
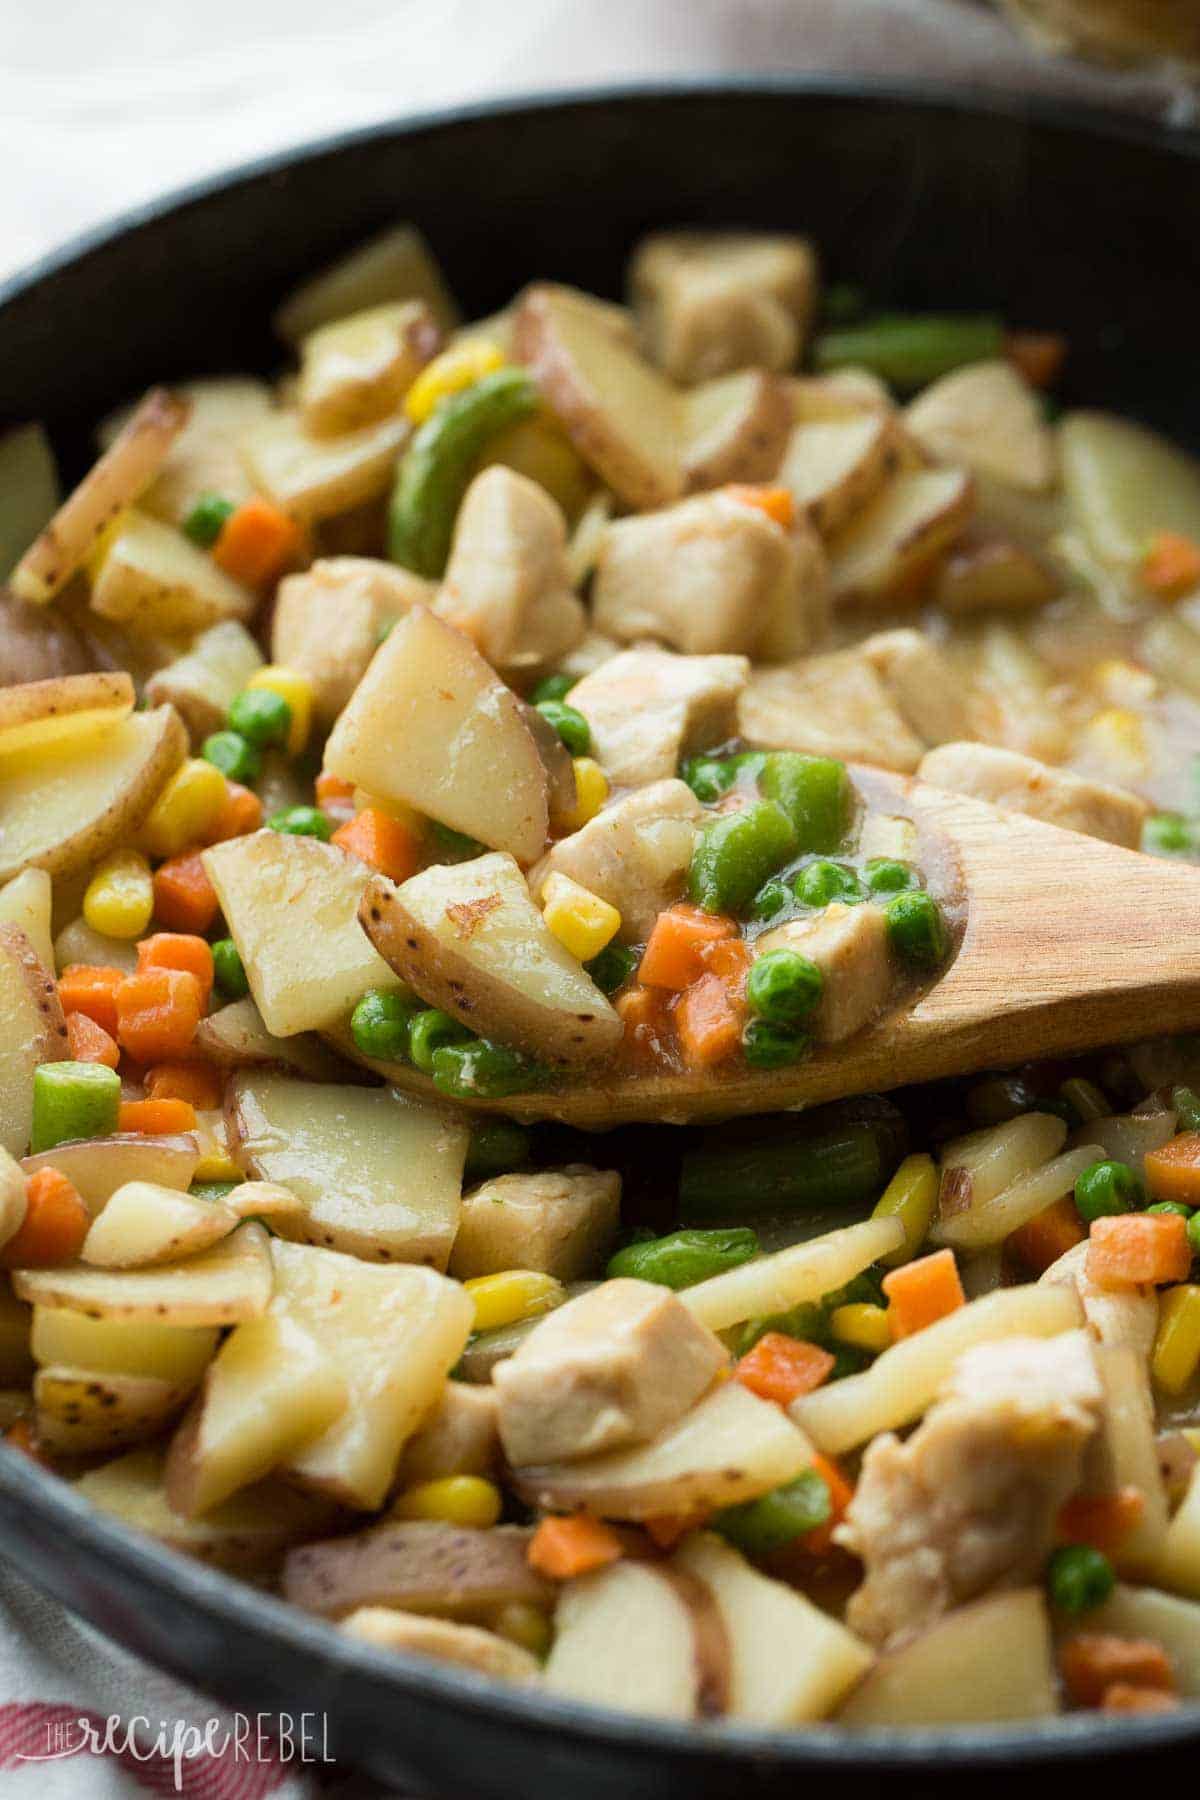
x=1129 y=1249
x=841 y=1491
x=1173 y=1173
x=89 y=1042
x=1038 y=355
x=184 y=897
x=55 y=1224
x=179 y=950
x=382 y=842
x=156 y=1118
x=673 y=955
x=158 y=1011
x=197 y=1083
x=669 y=1529
x=781 y=1368
x=562 y=1548
x=776 y=502
x=730 y=959
x=91 y=989
x=921 y=1292
x=332 y=787
x=1102 y=1520
x=21 y=1436
x=1124 y=1697
x=241 y=812
x=708 y=1022
x=1171 y=565
x=1091 y=1661
x=1047 y=1236
x=257 y=542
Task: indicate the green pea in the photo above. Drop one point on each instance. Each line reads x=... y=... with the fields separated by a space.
x=1193 y=1233
x=73 y=1100
x=552 y=687
x=1186 y=1104
x=684 y=1257
x=1079 y=1578
x=262 y=717
x=1171 y=1206
x=823 y=882
x=735 y=854
x=709 y=777
x=302 y=821
x=495 y=1147
x=379 y=1025
x=230 y=752
x=814 y=792
x=1106 y=1188
x=484 y=1071
x=783 y=986
x=769 y=1046
x=206 y=520
x=428 y=1031
x=1166 y=834
x=612 y=968
x=228 y=969
x=772 y=898
x=456 y=845
x=570 y=725
x=917 y=931
x=883 y=875
x=757 y=1527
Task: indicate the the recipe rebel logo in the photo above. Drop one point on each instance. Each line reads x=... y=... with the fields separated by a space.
x=194 y=1753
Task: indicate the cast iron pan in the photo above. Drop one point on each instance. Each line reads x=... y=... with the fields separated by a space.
x=1054 y=217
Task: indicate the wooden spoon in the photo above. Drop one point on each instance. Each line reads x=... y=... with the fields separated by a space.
x=1065 y=944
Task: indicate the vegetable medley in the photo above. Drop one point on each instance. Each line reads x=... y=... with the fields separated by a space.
x=481 y=713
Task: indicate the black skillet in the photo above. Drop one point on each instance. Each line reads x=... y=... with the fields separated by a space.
x=1054 y=217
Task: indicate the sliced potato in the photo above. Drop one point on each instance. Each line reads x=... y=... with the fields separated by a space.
x=78 y=1412
x=122 y=473
x=358 y=369
x=234 y=1037
x=378 y=1175
x=143 y=1224
x=176 y=1354
x=204 y=458
x=1124 y=484
x=26 y=902
x=396 y=265
x=32 y=1031
x=983 y=1663
x=774 y=1284
x=314 y=478
x=900 y=538
x=153 y=579
x=265 y=1200
x=431 y=725
x=734 y=429
x=71 y=804
x=469 y=939
x=732 y=1446
x=29 y=491
x=97 y=1167
x=203 y=685
x=987 y=574
x=833 y=468
x=633 y=1636
x=222 y=1286
x=443 y=1639
x=40 y=714
x=989 y=418
x=421 y=1566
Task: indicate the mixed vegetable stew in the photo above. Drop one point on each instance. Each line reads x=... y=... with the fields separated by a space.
x=486 y=710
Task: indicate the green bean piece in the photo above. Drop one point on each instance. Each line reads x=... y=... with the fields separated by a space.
x=302 y=821
x=438 y=464
x=429 y=1031
x=570 y=725
x=262 y=717
x=917 y=931
x=795 y=1169
x=612 y=968
x=206 y=520
x=820 y=883
x=1086 y=1100
x=907 y=350
x=228 y=969
x=772 y=898
x=1106 y=1188
x=380 y=1022
x=808 y=1321
x=757 y=1527
x=769 y=1046
x=783 y=986
x=814 y=792
x=1167 y=834
x=482 y=1070
x=552 y=687
x=682 y=1258
x=234 y=755
x=735 y=854
x=73 y=1100
x=884 y=875
x=1079 y=1578
x=496 y=1146
x=1186 y=1104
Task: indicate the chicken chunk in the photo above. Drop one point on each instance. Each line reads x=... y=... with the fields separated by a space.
x=924 y=684
x=559 y=1221
x=648 y=709
x=634 y=854
x=834 y=705
x=710 y=575
x=849 y=944
x=614 y=1366
x=445 y=1639
x=506 y=584
x=461 y=1436
x=711 y=302
x=328 y=622
x=969 y=1502
x=1017 y=783
x=1118 y=1318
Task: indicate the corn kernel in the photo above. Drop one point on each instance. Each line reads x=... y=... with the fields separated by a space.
x=215 y=1163
x=187 y=810
x=511 y=1296
x=457 y=368
x=297 y=690
x=864 y=1327
x=910 y=1196
x=581 y=921
x=526 y=1625
x=591 y=791
x=1177 y=1342
x=119 y=899
x=455 y=1499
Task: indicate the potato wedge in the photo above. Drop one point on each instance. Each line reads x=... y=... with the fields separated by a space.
x=176 y=1354
x=1125 y=483
x=97 y=1167
x=153 y=579
x=431 y=724
x=773 y=1284
x=203 y=685
x=899 y=539
x=234 y=1037
x=79 y=1412
x=638 y=1637
x=222 y=1286
x=68 y=807
x=833 y=468
x=358 y=369
x=734 y=429
x=246 y=1536
x=396 y=265
x=315 y=478
x=29 y=491
x=204 y=458
x=26 y=902
x=469 y=939
x=378 y=1175
x=443 y=1639
x=122 y=473
x=32 y=1031
x=41 y=714
x=732 y=1446
x=421 y=1566
x=143 y=1224
x=989 y=418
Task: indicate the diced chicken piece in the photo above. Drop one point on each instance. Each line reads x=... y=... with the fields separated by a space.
x=590 y=653
x=922 y=681
x=987 y=417
x=1017 y=783
x=329 y=621
x=835 y=467
x=614 y=1366
x=707 y=576
x=446 y=1640
x=634 y=854
x=1118 y=1318
x=710 y=302
x=969 y=1502
x=461 y=1436
x=507 y=584
x=849 y=945
x=559 y=1221
x=649 y=708
x=358 y=369
x=834 y=705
